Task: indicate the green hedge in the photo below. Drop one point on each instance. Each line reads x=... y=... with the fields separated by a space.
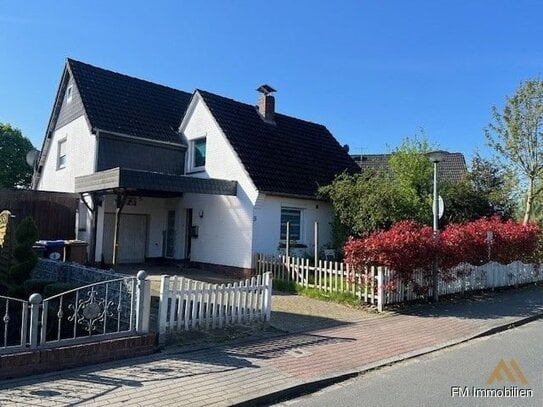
x=58 y=288
x=36 y=286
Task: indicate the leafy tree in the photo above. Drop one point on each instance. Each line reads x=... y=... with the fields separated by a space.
x=376 y=199
x=412 y=174
x=516 y=134
x=463 y=202
x=14 y=171
x=362 y=203
x=496 y=183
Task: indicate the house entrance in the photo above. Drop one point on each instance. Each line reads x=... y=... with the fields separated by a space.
x=188 y=233
x=170 y=234
x=132 y=238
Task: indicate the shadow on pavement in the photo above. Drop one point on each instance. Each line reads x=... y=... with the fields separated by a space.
x=297 y=323
x=78 y=386
x=514 y=302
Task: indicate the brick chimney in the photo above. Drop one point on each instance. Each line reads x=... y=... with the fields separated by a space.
x=266 y=103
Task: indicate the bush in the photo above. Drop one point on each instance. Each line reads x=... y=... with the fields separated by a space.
x=17 y=291
x=58 y=288
x=408 y=246
x=25 y=259
x=404 y=247
x=36 y=286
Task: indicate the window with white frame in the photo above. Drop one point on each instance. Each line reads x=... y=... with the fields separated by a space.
x=294 y=218
x=61 y=154
x=198 y=154
x=69 y=93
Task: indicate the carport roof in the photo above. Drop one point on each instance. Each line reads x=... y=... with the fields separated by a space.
x=147 y=183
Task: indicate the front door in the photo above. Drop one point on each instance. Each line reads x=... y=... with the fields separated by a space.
x=188 y=233
x=170 y=234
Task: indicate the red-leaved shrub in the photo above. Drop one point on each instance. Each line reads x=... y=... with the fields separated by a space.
x=408 y=246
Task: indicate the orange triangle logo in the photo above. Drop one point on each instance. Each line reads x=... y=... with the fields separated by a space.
x=512 y=373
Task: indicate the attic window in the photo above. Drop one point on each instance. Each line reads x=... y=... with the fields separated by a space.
x=198 y=154
x=69 y=93
x=61 y=155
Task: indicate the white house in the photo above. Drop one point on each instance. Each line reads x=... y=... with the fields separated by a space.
x=168 y=174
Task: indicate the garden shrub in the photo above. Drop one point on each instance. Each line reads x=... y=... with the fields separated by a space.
x=36 y=286
x=25 y=259
x=58 y=288
x=408 y=246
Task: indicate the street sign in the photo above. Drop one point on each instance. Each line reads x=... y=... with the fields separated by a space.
x=441 y=205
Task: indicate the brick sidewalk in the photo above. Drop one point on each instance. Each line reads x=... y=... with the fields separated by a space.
x=234 y=373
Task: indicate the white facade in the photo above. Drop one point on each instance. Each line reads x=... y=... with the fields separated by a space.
x=80 y=147
x=230 y=229
x=267 y=224
x=226 y=227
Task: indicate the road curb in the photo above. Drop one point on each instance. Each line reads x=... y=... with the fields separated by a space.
x=326 y=381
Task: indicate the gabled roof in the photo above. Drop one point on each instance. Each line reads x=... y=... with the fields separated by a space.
x=452 y=168
x=288 y=157
x=122 y=104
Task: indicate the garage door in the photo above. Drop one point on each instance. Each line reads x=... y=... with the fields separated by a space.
x=132 y=238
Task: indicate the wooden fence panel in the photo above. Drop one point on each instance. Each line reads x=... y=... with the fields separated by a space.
x=186 y=304
x=53 y=212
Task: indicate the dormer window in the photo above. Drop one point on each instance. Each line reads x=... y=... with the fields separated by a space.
x=69 y=93
x=198 y=154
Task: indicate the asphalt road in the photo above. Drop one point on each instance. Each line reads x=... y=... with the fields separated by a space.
x=429 y=380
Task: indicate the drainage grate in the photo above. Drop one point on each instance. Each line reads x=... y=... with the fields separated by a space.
x=45 y=393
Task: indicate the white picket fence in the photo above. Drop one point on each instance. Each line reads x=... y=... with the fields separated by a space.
x=464 y=278
x=187 y=304
x=380 y=286
x=326 y=276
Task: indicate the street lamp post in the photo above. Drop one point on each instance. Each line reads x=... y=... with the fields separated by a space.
x=436 y=157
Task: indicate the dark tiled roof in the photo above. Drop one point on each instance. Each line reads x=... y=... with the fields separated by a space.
x=122 y=104
x=452 y=168
x=292 y=156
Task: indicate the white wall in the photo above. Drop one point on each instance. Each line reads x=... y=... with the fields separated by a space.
x=267 y=224
x=225 y=230
x=80 y=157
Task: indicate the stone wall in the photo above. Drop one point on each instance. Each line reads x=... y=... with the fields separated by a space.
x=71 y=273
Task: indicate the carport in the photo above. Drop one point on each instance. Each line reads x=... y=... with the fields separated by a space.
x=123 y=183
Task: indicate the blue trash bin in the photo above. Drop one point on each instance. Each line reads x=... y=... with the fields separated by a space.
x=54 y=249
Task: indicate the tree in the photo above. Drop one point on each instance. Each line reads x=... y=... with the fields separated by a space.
x=463 y=202
x=362 y=203
x=412 y=177
x=496 y=183
x=14 y=171
x=376 y=199
x=516 y=134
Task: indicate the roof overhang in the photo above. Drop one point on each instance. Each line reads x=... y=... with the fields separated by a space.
x=147 y=183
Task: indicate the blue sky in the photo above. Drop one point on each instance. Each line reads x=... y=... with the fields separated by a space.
x=373 y=72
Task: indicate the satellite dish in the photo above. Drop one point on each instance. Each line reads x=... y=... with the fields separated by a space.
x=32 y=156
